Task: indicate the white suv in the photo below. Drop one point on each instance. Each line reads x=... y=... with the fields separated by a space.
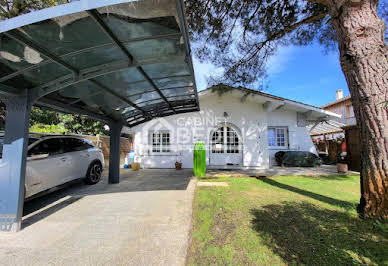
x=55 y=160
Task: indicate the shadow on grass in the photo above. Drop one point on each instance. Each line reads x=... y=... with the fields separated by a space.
x=302 y=233
x=344 y=204
x=330 y=177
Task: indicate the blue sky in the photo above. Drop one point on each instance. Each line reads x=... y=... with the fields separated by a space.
x=301 y=73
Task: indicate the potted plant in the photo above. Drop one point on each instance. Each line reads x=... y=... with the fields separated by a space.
x=342 y=166
x=178 y=165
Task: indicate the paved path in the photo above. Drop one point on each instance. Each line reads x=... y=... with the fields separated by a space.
x=144 y=220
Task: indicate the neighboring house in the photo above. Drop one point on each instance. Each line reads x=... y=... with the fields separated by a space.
x=330 y=135
x=342 y=106
x=240 y=128
x=334 y=128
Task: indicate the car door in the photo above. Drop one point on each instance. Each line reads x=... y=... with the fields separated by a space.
x=47 y=164
x=33 y=183
x=86 y=156
x=77 y=151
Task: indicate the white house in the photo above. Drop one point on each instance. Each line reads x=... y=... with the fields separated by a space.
x=240 y=128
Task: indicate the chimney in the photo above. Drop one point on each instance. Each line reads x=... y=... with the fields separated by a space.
x=339 y=94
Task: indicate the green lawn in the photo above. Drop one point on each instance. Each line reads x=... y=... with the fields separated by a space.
x=284 y=220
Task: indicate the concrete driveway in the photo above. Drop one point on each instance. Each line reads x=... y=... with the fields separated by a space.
x=144 y=220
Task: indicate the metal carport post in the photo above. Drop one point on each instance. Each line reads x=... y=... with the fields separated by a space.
x=13 y=165
x=123 y=87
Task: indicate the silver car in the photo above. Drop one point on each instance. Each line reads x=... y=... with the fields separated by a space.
x=55 y=160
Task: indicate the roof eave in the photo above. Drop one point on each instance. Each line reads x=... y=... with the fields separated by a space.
x=311 y=108
x=336 y=102
x=277 y=99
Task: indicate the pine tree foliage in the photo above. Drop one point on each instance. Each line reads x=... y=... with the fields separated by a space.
x=13 y=8
x=241 y=35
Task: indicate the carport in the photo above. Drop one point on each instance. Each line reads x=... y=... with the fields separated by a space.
x=123 y=62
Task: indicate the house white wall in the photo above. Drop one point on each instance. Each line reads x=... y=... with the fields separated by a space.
x=298 y=137
x=248 y=116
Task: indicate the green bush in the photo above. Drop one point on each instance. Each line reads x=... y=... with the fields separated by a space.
x=48 y=129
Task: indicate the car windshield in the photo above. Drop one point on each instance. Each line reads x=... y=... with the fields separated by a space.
x=30 y=141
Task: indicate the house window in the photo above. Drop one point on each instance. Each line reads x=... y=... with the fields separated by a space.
x=232 y=141
x=161 y=141
x=277 y=136
x=349 y=111
x=225 y=140
x=218 y=141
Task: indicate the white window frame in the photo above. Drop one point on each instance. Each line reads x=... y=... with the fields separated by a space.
x=163 y=149
x=349 y=111
x=276 y=146
x=228 y=142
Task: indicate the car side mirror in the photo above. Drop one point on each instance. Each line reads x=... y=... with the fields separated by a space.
x=38 y=156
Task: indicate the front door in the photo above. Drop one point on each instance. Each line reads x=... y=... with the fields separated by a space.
x=225 y=147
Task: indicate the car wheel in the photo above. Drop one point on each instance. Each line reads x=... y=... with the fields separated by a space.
x=94 y=173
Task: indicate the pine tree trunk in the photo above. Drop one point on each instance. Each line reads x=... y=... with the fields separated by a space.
x=364 y=61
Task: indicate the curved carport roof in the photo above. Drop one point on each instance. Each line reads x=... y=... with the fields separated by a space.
x=121 y=60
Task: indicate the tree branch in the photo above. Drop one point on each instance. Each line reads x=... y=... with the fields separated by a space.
x=5 y=13
x=256 y=48
x=286 y=30
x=296 y=25
x=250 y=19
x=323 y=2
x=234 y=23
x=222 y=18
